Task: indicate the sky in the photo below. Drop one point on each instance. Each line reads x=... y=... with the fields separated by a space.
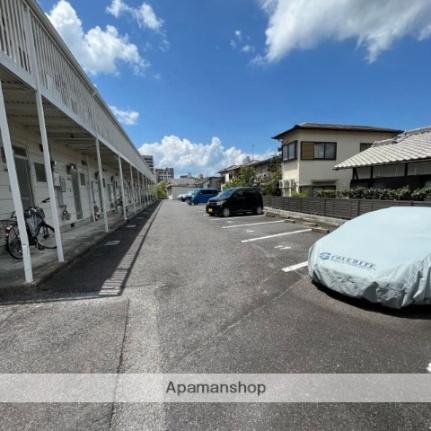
x=202 y=84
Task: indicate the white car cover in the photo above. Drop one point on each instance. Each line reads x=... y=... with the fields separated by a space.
x=383 y=256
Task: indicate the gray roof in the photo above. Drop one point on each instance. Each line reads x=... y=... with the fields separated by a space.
x=408 y=146
x=343 y=127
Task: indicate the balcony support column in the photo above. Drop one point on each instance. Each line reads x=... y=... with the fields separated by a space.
x=14 y=185
x=102 y=192
x=44 y=137
x=123 y=196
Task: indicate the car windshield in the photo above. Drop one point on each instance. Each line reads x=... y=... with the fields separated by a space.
x=225 y=194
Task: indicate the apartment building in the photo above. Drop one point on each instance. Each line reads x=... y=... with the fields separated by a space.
x=149 y=160
x=164 y=175
x=59 y=139
x=311 y=150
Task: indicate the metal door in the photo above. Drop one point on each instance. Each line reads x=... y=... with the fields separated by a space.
x=76 y=194
x=24 y=180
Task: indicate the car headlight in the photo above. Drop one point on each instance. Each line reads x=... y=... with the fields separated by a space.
x=220 y=203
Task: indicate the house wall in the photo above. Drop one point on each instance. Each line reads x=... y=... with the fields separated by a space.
x=174 y=192
x=62 y=156
x=309 y=173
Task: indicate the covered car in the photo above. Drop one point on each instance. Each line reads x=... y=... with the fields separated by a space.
x=383 y=256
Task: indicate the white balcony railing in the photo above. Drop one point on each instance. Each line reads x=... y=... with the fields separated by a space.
x=62 y=80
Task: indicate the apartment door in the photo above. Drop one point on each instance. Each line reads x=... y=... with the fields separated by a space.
x=76 y=194
x=24 y=179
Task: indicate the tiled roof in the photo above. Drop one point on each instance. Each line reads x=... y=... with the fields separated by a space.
x=342 y=127
x=411 y=145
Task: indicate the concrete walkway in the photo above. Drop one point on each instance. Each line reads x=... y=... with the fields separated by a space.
x=75 y=242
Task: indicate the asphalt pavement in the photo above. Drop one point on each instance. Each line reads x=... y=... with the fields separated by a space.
x=177 y=291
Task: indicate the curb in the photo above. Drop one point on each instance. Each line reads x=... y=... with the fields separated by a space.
x=318 y=223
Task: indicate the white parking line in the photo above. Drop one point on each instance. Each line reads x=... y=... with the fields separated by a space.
x=252 y=224
x=295 y=267
x=235 y=218
x=276 y=235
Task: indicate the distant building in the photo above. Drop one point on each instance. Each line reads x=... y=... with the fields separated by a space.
x=264 y=169
x=311 y=150
x=149 y=160
x=404 y=160
x=165 y=174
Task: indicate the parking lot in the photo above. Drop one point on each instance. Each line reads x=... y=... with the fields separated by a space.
x=192 y=293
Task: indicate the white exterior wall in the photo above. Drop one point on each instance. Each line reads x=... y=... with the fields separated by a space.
x=62 y=156
x=313 y=172
x=176 y=191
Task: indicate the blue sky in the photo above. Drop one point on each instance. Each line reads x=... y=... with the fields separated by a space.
x=203 y=82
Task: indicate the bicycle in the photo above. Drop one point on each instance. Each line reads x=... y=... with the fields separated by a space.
x=40 y=234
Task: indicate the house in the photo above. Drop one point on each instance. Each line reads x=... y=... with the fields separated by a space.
x=164 y=175
x=179 y=186
x=59 y=138
x=264 y=169
x=310 y=151
x=404 y=160
x=187 y=183
x=227 y=174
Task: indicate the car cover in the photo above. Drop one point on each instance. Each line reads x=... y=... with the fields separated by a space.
x=383 y=256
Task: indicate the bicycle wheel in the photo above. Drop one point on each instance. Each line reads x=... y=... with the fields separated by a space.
x=13 y=245
x=46 y=237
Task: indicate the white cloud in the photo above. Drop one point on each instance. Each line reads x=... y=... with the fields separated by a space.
x=98 y=50
x=375 y=24
x=247 y=48
x=186 y=156
x=143 y=14
x=129 y=118
x=238 y=42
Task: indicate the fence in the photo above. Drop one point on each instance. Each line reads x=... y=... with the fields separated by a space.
x=338 y=208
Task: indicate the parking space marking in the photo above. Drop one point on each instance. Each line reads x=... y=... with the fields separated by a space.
x=110 y=243
x=275 y=235
x=252 y=224
x=249 y=231
x=240 y=217
x=295 y=267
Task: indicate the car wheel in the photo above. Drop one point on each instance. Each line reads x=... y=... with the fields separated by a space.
x=259 y=210
x=226 y=212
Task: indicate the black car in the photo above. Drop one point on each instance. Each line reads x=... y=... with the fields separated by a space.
x=234 y=201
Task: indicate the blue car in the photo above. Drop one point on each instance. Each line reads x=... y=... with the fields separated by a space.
x=201 y=196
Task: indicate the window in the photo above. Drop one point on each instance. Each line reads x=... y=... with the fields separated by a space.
x=364 y=146
x=82 y=178
x=289 y=151
x=40 y=172
x=318 y=150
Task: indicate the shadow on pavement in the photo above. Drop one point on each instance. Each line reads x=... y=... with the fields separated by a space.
x=410 y=312
x=100 y=272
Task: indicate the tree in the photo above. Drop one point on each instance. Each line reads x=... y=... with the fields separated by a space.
x=271 y=187
x=245 y=178
x=161 y=191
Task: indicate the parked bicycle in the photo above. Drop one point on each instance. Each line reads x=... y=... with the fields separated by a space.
x=40 y=234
